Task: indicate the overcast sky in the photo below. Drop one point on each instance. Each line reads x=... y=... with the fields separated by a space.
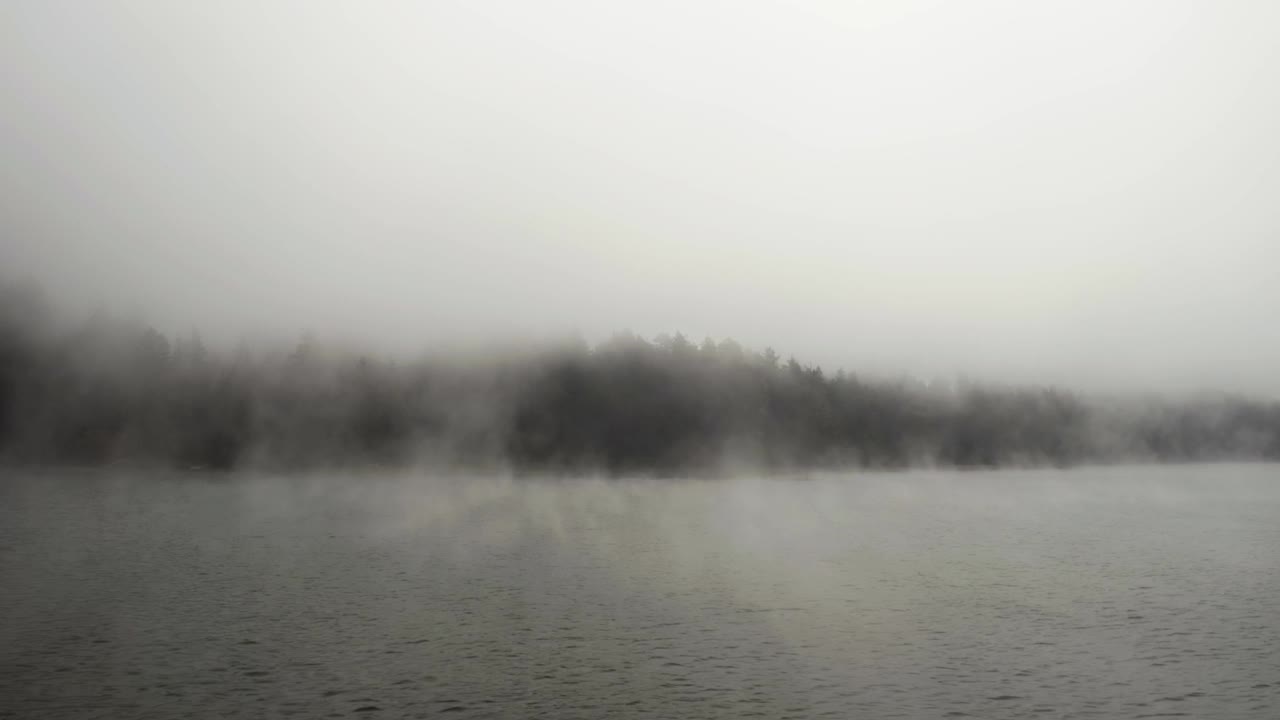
x=1070 y=192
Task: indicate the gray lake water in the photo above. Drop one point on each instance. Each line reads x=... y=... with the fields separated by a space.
x=1111 y=593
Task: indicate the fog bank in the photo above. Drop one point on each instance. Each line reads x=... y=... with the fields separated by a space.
x=1072 y=193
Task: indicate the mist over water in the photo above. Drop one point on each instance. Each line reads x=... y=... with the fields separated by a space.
x=667 y=359
x=1112 y=593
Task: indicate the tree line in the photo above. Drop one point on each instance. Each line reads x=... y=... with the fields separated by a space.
x=110 y=391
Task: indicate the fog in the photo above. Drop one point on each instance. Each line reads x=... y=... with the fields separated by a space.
x=1056 y=192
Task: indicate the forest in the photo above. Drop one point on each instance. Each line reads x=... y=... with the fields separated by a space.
x=110 y=391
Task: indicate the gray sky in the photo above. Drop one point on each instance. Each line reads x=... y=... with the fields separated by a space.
x=1073 y=192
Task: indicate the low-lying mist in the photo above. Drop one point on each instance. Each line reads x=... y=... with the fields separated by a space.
x=107 y=391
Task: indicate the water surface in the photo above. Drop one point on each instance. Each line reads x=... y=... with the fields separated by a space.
x=1105 y=593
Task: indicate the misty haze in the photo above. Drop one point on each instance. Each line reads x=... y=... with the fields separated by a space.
x=669 y=359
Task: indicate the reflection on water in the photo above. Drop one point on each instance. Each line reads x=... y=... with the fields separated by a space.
x=1113 y=593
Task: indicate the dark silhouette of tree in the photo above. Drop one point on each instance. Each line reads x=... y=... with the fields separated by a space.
x=115 y=391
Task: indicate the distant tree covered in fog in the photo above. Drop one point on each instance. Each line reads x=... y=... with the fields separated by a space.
x=114 y=391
